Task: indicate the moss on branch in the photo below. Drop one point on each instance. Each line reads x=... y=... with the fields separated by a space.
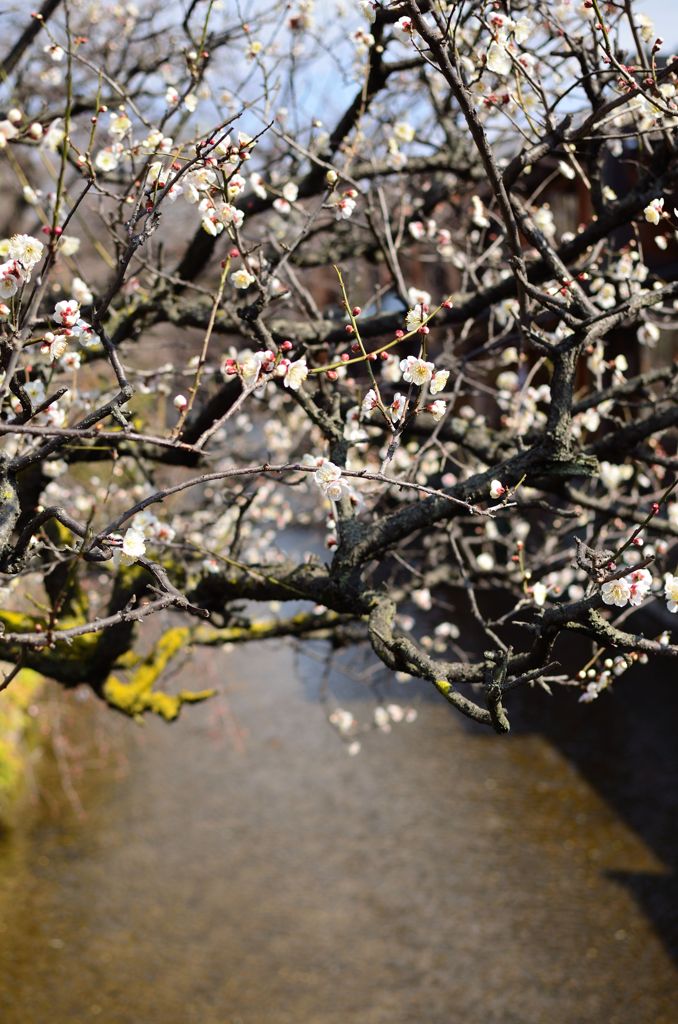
x=138 y=695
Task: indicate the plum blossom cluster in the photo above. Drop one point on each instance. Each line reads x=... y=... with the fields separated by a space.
x=630 y=589
x=599 y=681
x=384 y=193
x=212 y=183
x=23 y=252
x=70 y=326
x=255 y=369
x=329 y=479
x=384 y=717
x=507 y=33
x=417 y=372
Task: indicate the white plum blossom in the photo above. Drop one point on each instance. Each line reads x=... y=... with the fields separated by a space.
x=649 y=334
x=55 y=52
x=290 y=192
x=35 y=389
x=250 y=367
x=328 y=479
x=11 y=277
x=26 y=249
x=69 y=245
x=345 y=205
x=236 y=185
x=81 y=293
x=242 y=278
x=106 y=160
x=257 y=185
x=612 y=475
x=196 y=182
x=508 y=380
x=498 y=58
x=54 y=135
x=369 y=402
x=646 y=27
x=211 y=224
x=54 y=345
x=85 y=334
x=523 y=29
x=297 y=372
x=229 y=214
x=362 y=40
x=416 y=316
x=654 y=211
x=437 y=409
x=404 y=29
x=368 y=9
x=71 y=360
x=439 y=381
x=397 y=408
x=616 y=592
x=418 y=297
x=497 y=489
x=543 y=220
x=416 y=371
x=7 y=132
x=342 y=720
x=478 y=215
x=120 y=123
x=640 y=583
x=671 y=591
x=403 y=131
x=66 y=312
x=133 y=543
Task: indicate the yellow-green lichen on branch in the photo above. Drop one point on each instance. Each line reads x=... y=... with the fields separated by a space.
x=303 y=623
x=17 y=734
x=137 y=695
x=66 y=660
x=443 y=686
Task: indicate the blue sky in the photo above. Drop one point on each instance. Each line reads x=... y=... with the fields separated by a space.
x=664 y=13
